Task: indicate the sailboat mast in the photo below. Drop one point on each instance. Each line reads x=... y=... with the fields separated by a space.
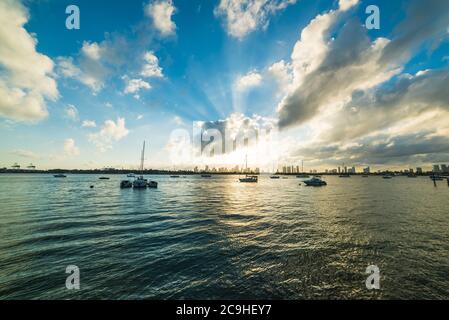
x=143 y=157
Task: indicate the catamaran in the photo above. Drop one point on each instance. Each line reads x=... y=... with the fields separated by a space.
x=139 y=182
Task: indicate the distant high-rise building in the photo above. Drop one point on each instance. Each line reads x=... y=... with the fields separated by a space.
x=436 y=168
x=367 y=170
x=206 y=169
x=339 y=170
x=289 y=169
x=419 y=170
x=297 y=169
x=444 y=168
x=353 y=169
x=284 y=169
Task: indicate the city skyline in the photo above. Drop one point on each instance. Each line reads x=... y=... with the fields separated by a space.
x=333 y=90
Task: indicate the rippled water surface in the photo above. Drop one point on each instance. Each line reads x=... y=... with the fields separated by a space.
x=213 y=238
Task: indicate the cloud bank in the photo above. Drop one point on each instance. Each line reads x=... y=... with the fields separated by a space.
x=26 y=76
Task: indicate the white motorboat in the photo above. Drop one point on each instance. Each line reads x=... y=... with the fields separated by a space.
x=249 y=179
x=315 y=182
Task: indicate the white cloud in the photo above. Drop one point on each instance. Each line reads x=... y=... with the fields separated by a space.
x=90 y=77
x=92 y=50
x=108 y=104
x=151 y=67
x=95 y=62
x=250 y=80
x=89 y=124
x=71 y=112
x=245 y=16
x=347 y=4
x=161 y=13
x=340 y=106
x=135 y=85
x=110 y=131
x=25 y=154
x=70 y=149
x=139 y=117
x=229 y=141
x=281 y=72
x=26 y=81
x=327 y=71
x=178 y=121
x=66 y=67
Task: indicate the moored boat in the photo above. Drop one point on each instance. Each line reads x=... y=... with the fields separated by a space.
x=315 y=182
x=152 y=184
x=125 y=184
x=140 y=183
x=249 y=179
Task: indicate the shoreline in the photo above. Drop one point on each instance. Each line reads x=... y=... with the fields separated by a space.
x=182 y=172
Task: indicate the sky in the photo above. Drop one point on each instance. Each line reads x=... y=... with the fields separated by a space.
x=208 y=82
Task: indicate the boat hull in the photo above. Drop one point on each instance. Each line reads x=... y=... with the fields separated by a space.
x=249 y=180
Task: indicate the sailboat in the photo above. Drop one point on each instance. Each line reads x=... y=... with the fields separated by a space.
x=139 y=182
x=248 y=178
x=274 y=176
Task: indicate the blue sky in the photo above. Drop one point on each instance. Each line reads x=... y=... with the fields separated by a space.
x=94 y=104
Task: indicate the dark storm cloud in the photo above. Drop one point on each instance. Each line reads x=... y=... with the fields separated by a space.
x=351 y=60
x=409 y=97
x=338 y=71
x=383 y=149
